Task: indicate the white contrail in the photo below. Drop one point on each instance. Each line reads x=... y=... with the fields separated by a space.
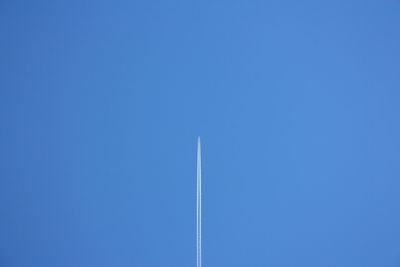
x=198 y=207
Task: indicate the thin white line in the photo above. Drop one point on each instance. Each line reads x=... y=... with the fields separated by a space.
x=198 y=207
x=200 y=220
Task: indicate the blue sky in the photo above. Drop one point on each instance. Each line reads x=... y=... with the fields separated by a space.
x=297 y=104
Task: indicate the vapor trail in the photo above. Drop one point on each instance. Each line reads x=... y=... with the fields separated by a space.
x=198 y=206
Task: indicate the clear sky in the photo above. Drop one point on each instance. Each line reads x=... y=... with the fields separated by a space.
x=297 y=104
